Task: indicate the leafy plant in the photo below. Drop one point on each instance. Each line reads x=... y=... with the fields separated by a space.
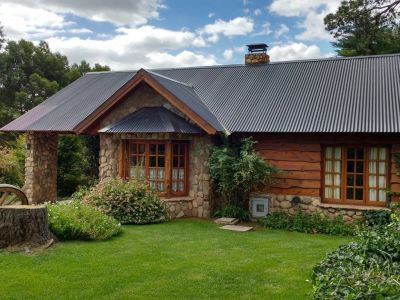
x=308 y=223
x=366 y=269
x=377 y=217
x=233 y=211
x=12 y=163
x=130 y=202
x=75 y=220
x=235 y=171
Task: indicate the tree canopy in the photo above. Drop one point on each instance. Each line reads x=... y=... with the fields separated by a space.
x=365 y=27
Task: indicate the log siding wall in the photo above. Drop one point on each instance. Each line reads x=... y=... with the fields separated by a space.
x=300 y=159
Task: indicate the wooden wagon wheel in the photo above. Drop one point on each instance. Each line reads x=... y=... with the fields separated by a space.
x=12 y=195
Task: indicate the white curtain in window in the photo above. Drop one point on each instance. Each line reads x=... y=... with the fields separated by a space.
x=382 y=195
x=372 y=181
x=372 y=195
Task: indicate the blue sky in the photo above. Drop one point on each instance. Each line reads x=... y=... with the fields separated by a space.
x=129 y=34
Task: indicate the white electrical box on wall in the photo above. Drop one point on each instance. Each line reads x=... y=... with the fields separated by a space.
x=259 y=206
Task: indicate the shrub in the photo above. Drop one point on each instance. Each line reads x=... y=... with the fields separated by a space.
x=308 y=223
x=130 y=202
x=366 y=269
x=12 y=163
x=233 y=211
x=377 y=217
x=75 y=220
x=236 y=170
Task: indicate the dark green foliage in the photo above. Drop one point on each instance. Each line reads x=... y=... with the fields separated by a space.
x=365 y=27
x=366 y=269
x=130 y=202
x=233 y=211
x=76 y=166
x=377 y=217
x=236 y=170
x=78 y=221
x=308 y=223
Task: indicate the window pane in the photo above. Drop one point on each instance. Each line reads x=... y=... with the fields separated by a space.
x=160 y=186
x=133 y=148
x=350 y=153
x=161 y=161
x=175 y=149
x=360 y=167
x=328 y=152
x=152 y=184
x=382 y=195
x=181 y=173
x=373 y=153
x=328 y=166
x=152 y=161
x=349 y=193
x=336 y=193
x=161 y=173
x=338 y=153
x=382 y=181
x=372 y=195
x=359 y=180
x=372 y=167
x=174 y=186
x=382 y=168
x=328 y=192
x=133 y=161
x=328 y=179
x=336 y=180
x=382 y=153
x=359 y=194
x=175 y=173
x=161 y=149
x=142 y=148
x=153 y=148
x=182 y=150
x=372 y=181
x=350 y=179
x=181 y=186
x=350 y=166
x=337 y=166
x=175 y=162
x=152 y=173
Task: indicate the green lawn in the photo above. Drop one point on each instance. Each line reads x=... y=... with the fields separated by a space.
x=186 y=259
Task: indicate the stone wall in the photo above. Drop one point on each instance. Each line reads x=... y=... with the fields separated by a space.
x=196 y=203
x=256 y=58
x=41 y=167
x=313 y=205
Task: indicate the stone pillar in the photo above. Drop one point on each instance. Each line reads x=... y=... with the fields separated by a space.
x=41 y=167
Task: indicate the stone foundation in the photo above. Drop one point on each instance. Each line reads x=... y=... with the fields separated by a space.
x=41 y=167
x=313 y=205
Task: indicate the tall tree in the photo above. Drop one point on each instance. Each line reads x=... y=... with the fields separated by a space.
x=2 y=38
x=365 y=27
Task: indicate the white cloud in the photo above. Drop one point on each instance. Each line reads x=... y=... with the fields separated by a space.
x=211 y=15
x=228 y=53
x=291 y=8
x=237 y=26
x=80 y=30
x=119 y=12
x=282 y=30
x=294 y=51
x=312 y=13
x=314 y=27
x=257 y=12
x=132 y=48
x=22 y=22
x=266 y=29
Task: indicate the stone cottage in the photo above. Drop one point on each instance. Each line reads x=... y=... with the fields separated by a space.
x=331 y=125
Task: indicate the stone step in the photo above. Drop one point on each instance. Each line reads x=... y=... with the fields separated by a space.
x=237 y=228
x=226 y=221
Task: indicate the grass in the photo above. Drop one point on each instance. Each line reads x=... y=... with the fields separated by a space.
x=186 y=259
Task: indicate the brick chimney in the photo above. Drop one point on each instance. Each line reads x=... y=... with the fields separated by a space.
x=257 y=54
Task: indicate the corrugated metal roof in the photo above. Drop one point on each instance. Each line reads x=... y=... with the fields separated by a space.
x=151 y=120
x=187 y=94
x=360 y=94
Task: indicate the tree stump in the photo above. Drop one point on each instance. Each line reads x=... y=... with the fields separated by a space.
x=24 y=226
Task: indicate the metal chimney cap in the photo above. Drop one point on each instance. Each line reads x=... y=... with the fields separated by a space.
x=257 y=47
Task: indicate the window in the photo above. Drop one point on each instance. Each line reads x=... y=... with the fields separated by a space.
x=355 y=175
x=163 y=164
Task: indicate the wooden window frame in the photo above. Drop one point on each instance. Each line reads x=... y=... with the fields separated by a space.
x=125 y=163
x=343 y=182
